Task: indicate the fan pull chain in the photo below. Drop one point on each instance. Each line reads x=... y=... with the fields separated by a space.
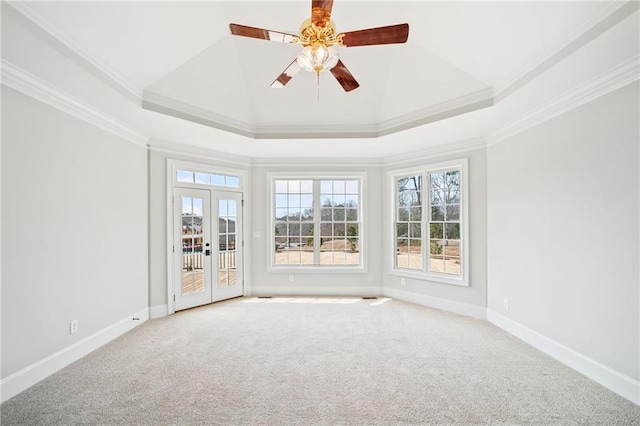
x=318 y=75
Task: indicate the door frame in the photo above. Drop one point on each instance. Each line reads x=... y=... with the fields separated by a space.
x=171 y=182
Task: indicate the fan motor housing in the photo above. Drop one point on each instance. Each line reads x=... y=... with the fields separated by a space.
x=313 y=35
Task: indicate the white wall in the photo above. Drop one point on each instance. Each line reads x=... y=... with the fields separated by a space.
x=74 y=230
x=264 y=282
x=157 y=229
x=470 y=300
x=563 y=230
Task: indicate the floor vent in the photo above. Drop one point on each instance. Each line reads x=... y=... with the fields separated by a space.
x=264 y=297
x=369 y=297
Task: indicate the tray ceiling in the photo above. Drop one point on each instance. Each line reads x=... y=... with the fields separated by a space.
x=178 y=59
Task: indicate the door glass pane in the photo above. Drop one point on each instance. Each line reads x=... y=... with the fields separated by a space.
x=227 y=218
x=192 y=234
x=224 y=278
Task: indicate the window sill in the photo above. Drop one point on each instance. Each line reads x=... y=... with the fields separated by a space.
x=423 y=276
x=311 y=269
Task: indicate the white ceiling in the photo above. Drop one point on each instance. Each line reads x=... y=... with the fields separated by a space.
x=461 y=58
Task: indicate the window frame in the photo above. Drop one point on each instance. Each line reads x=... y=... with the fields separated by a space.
x=316 y=177
x=190 y=167
x=424 y=170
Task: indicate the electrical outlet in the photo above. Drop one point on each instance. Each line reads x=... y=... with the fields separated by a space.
x=403 y=281
x=505 y=304
x=291 y=278
x=73 y=326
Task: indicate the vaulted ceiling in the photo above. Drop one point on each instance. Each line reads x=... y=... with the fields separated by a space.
x=469 y=69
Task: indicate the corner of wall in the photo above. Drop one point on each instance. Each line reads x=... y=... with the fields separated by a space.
x=600 y=373
x=455 y=307
x=32 y=374
x=158 y=311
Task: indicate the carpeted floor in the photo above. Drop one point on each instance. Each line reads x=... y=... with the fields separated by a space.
x=317 y=361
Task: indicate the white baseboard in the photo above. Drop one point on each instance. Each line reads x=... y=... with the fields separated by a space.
x=600 y=373
x=32 y=374
x=474 y=311
x=314 y=291
x=158 y=311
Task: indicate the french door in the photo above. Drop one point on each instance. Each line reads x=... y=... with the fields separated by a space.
x=207 y=246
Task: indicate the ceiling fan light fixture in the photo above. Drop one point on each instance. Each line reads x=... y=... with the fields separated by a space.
x=318 y=36
x=332 y=59
x=317 y=58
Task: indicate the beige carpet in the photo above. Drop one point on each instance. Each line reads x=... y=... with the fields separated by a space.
x=317 y=361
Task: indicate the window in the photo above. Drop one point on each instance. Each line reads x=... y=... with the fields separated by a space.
x=444 y=222
x=317 y=222
x=409 y=222
x=429 y=223
x=294 y=223
x=188 y=176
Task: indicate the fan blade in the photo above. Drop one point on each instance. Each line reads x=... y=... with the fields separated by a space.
x=383 y=35
x=286 y=75
x=321 y=12
x=244 y=31
x=344 y=77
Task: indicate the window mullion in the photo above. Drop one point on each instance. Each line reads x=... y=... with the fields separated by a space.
x=316 y=222
x=394 y=222
x=426 y=220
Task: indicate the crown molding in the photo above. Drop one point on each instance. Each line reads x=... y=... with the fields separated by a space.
x=174 y=108
x=466 y=103
x=199 y=153
x=97 y=66
x=36 y=88
x=165 y=105
x=327 y=163
x=362 y=131
x=437 y=151
x=617 y=77
x=450 y=108
x=463 y=104
x=600 y=21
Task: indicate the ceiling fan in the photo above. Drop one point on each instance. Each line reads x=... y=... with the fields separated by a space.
x=318 y=36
